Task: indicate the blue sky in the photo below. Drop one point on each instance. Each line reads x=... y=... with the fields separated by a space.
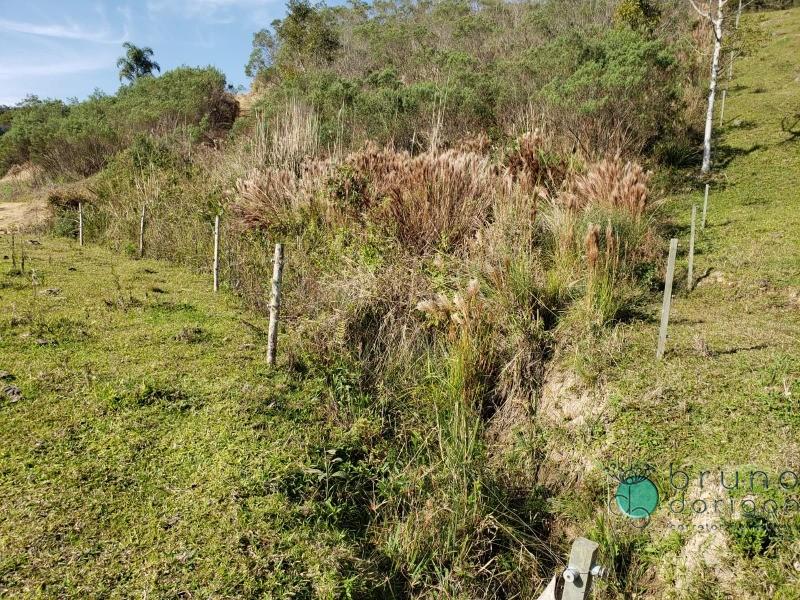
x=67 y=48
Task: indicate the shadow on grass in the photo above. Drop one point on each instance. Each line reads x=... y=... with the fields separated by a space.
x=737 y=123
x=702 y=277
x=726 y=154
x=727 y=351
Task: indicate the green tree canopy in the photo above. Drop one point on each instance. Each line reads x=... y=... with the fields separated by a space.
x=136 y=63
x=307 y=35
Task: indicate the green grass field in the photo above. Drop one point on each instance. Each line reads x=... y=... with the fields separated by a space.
x=144 y=455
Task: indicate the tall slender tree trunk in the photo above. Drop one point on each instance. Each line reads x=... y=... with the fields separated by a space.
x=712 y=91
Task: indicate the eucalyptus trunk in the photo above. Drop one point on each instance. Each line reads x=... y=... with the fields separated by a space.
x=712 y=89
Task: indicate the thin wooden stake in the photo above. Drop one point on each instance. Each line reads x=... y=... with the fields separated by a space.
x=13 y=251
x=690 y=279
x=662 y=334
x=141 y=232
x=275 y=304
x=216 y=253
x=705 y=209
x=722 y=108
x=80 y=223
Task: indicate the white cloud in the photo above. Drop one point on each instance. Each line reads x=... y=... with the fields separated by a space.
x=216 y=11
x=66 y=32
x=10 y=71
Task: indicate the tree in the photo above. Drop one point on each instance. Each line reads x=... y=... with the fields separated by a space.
x=305 y=35
x=136 y=63
x=640 y=15
x=712 y=12
x=263 y=55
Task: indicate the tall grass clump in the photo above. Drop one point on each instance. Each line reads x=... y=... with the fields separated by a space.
x=451 y=278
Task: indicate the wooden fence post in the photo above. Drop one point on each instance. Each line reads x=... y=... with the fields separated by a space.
x=80 y=223
x=275 y=304
x=690 y=274
x=662 y=334
x=722 y=108
x=13 y=251
x=705 y=209
x=216 y=253
x=141 y=232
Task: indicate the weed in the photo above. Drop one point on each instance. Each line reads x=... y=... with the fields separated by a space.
x=751 y=535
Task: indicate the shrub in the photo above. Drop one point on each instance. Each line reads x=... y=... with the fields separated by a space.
x=79 y=138
x=422 y=74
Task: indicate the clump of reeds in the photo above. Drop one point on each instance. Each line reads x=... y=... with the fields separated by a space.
x=611 y=184
x=295 y=137
x=531 y=165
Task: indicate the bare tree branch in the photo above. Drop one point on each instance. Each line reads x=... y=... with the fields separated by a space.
x=705 y=15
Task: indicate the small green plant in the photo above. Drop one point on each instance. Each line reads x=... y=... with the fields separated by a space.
x=751 y=535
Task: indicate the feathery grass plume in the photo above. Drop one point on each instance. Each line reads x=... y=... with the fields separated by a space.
x=477 y=144
x=463 y=312
x=274 y=198
x=611 y=242
x=531 y=165
x=437 y=200
x=609 y=184
x=592 y=243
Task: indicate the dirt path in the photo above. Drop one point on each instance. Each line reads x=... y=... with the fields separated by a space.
x=15 y=216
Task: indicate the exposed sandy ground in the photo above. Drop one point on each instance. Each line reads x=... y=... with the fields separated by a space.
x=15 y=216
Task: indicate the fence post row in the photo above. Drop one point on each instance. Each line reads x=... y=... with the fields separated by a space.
x=662 y=334
x=575 y=581
x=275 y=304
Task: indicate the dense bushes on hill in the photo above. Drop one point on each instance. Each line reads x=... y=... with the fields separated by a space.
x=77 y=139
x=604 y=75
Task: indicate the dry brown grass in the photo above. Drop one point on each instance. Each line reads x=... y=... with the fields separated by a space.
x=611 y=183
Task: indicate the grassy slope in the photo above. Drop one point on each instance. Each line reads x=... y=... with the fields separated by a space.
x=138 y=463
x=149 y=437
x=728 y=393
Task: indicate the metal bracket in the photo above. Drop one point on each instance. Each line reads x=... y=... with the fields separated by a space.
x=575 y=581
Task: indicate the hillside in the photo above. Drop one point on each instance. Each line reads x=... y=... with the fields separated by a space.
x=466 y=364
x=726 y=395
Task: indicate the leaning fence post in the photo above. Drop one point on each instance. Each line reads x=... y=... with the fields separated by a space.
x=722 y=108
x=275 y=304
x=216 y=253
x=662 y=334
x=80 y=223
x=705 y=209
x=690 y=281
x=141 y=232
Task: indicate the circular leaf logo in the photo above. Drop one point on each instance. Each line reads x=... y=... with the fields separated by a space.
x=637 y=497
